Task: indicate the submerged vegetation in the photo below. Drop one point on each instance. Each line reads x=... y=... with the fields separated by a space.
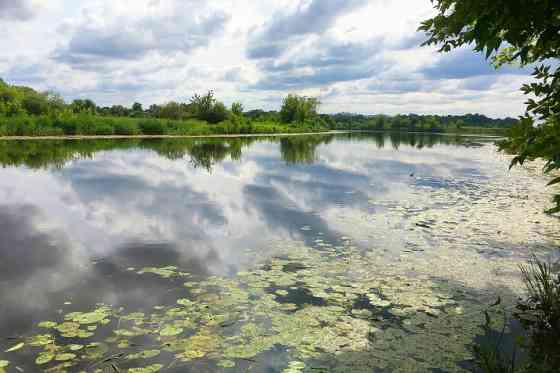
x=524 y=33
x=324 y=310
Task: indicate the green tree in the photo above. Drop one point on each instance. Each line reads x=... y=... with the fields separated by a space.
x=86 y=106
x=35 y=104
x=55 y=102
x=207 y=108
x=298 y=109
x=513 y=31
x=237 y=108
x=171 y=110
x=137 y=107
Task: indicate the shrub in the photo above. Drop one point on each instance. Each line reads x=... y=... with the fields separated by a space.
x=125 y=128
x=104 y=129
x=151 y=127
x=208 y=108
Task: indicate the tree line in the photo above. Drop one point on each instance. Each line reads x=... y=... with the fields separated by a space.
x=26 y=112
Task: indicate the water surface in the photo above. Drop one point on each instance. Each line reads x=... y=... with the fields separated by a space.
x=309 y=253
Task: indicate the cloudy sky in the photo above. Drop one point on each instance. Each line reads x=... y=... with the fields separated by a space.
x=356 y=55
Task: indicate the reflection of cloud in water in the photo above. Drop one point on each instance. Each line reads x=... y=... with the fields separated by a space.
x=134 y=207
x=82 y=233
x=35 y=262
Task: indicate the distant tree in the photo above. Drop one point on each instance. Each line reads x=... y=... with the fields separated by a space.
x=513 y=31
x=237 y=108
x=154 y=110
x=55 y=102
x=35 y=103
x=83 y=106
x=218 y=113
x=207 y=108
x=298 y=109
x=137 y=107
x=171 y=110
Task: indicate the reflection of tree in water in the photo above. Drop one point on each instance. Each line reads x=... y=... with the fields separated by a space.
x=55 y=153
x=302 y=149
x=417 y=140
x=204 y=153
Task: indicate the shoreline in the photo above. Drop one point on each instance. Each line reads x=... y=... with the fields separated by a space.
x=334 y=132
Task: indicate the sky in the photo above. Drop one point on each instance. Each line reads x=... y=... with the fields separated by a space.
x=360 y=56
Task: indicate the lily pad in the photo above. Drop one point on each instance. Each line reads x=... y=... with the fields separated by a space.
x=226 y=364
x=44 y=358
x=65 y=357
x=47 y=324
x=149 y=369
x=170 y=331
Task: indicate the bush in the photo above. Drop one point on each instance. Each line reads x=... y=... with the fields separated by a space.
x=125 y=128
x=151 y=127
x=208 y=108
x=104 y=128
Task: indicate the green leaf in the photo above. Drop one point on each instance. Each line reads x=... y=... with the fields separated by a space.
x=554 y=181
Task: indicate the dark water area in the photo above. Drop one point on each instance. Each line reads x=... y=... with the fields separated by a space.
x=208 y=254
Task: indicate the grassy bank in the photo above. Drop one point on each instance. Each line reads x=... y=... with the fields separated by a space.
x=94 y=125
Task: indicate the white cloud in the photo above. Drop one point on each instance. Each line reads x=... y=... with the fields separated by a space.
x=359 y=55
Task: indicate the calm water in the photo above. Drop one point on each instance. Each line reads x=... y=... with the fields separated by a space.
x=325 y=253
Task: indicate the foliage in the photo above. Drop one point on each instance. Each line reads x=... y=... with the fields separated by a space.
x=298 y=109
x=83 y=106
x=513 y=31
x=237 y=108
x=470 y=123
x=207 y=108
x=540 y=315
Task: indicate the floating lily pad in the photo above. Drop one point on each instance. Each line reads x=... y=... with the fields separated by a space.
x=170 y=331
x=149 y=369
x=47 y=324
x=226 y=364
x=41 y=340
x=44 y=358
x=65 y=357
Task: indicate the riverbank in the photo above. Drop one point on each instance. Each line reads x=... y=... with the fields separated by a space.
x=215 y=136
x=218 y=136
x=83 y=126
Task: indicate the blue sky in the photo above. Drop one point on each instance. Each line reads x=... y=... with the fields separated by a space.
x=355 y=55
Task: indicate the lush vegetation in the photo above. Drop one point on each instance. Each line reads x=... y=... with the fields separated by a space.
x=526 y=32
x=26 y=112
x=471 y=123
x=538 y=350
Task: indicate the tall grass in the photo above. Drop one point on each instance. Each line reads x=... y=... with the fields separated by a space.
x=539 y=314
x=90 y=125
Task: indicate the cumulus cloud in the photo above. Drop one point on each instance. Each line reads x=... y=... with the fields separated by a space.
x=19 y=10
x=464 y=63
x=283 y=29
x=325 y=61
x=164 y=28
